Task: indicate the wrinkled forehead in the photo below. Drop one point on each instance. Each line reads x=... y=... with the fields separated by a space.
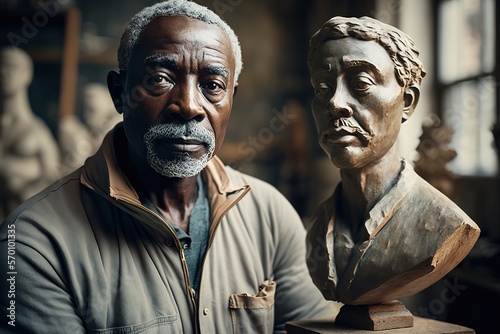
x=162 y=33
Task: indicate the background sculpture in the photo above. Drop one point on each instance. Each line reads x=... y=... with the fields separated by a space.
x=29 y=157
x=385 y=233
x=434 y=154
x=79 y=140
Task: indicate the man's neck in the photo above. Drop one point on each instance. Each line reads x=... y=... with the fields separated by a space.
x=174 y=200
x=173 y=197
x=362 y=188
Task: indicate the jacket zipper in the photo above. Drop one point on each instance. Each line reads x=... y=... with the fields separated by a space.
x=179 y=248
x=217 y=221
x=212 y=236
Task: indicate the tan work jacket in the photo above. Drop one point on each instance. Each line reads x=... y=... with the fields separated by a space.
x=89 y=257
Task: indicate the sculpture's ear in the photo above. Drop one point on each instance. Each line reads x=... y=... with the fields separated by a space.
x=115 y=87
x=411 y=96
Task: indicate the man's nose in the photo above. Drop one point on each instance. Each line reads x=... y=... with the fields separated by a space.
x=339 y=105
x=186 y=103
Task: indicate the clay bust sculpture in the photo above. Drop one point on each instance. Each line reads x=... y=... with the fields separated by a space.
x=29 y=157
x=385 y=233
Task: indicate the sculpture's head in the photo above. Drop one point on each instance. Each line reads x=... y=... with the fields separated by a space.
x=366 y=78
x=399 y=46
x=16 y=70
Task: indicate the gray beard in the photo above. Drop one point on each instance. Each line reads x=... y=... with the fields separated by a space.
x=180 y=164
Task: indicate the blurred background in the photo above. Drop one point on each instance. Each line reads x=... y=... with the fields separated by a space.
x=450 y=139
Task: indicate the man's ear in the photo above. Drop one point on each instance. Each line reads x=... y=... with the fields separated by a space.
x=411 y=96
x=115 y=87
x=235 y=90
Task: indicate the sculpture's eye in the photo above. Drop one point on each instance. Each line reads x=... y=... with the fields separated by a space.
x=322 y=90
x=362 y=82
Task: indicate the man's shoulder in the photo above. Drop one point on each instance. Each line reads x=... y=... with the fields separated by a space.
x=49 y=206
x=262 y=196
x=239 y=178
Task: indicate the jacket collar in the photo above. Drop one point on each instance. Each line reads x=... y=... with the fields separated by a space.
x=103 y=174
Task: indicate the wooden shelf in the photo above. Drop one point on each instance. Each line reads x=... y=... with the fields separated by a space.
x=55 y=55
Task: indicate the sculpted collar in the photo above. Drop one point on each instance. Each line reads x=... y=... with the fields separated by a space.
x=380 y=214
x=383 y=210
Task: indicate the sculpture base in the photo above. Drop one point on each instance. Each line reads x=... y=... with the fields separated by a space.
x=420 y=325
x=388 y=315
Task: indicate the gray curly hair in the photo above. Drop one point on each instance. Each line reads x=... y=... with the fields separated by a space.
x=190 y=9
x=400 y=47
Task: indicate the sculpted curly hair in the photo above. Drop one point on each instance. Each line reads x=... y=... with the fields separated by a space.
x=400 y=47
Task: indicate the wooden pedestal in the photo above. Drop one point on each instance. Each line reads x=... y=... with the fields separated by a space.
x=388 y=315
x=420 y=326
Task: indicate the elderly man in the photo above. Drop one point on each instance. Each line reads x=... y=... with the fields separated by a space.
x=153 y=234
x=385 y=233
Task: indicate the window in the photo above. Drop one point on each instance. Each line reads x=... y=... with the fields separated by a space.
x=466 y=65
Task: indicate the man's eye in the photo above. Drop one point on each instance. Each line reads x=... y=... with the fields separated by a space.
x=321 y=90
x=158 y=80
x=213 y=87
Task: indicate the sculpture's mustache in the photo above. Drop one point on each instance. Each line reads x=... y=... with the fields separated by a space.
x=346 y=126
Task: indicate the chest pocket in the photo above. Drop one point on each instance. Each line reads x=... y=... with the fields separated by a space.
x=254 y=313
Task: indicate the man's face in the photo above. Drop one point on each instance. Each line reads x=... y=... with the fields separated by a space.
x=358 y=102
x=178 y=94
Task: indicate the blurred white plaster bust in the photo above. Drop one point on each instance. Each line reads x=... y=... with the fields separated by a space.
x=79 y=140
x=29 y=156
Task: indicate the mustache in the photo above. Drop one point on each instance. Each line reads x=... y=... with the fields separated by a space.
x=345 y=125
x=188 y=130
